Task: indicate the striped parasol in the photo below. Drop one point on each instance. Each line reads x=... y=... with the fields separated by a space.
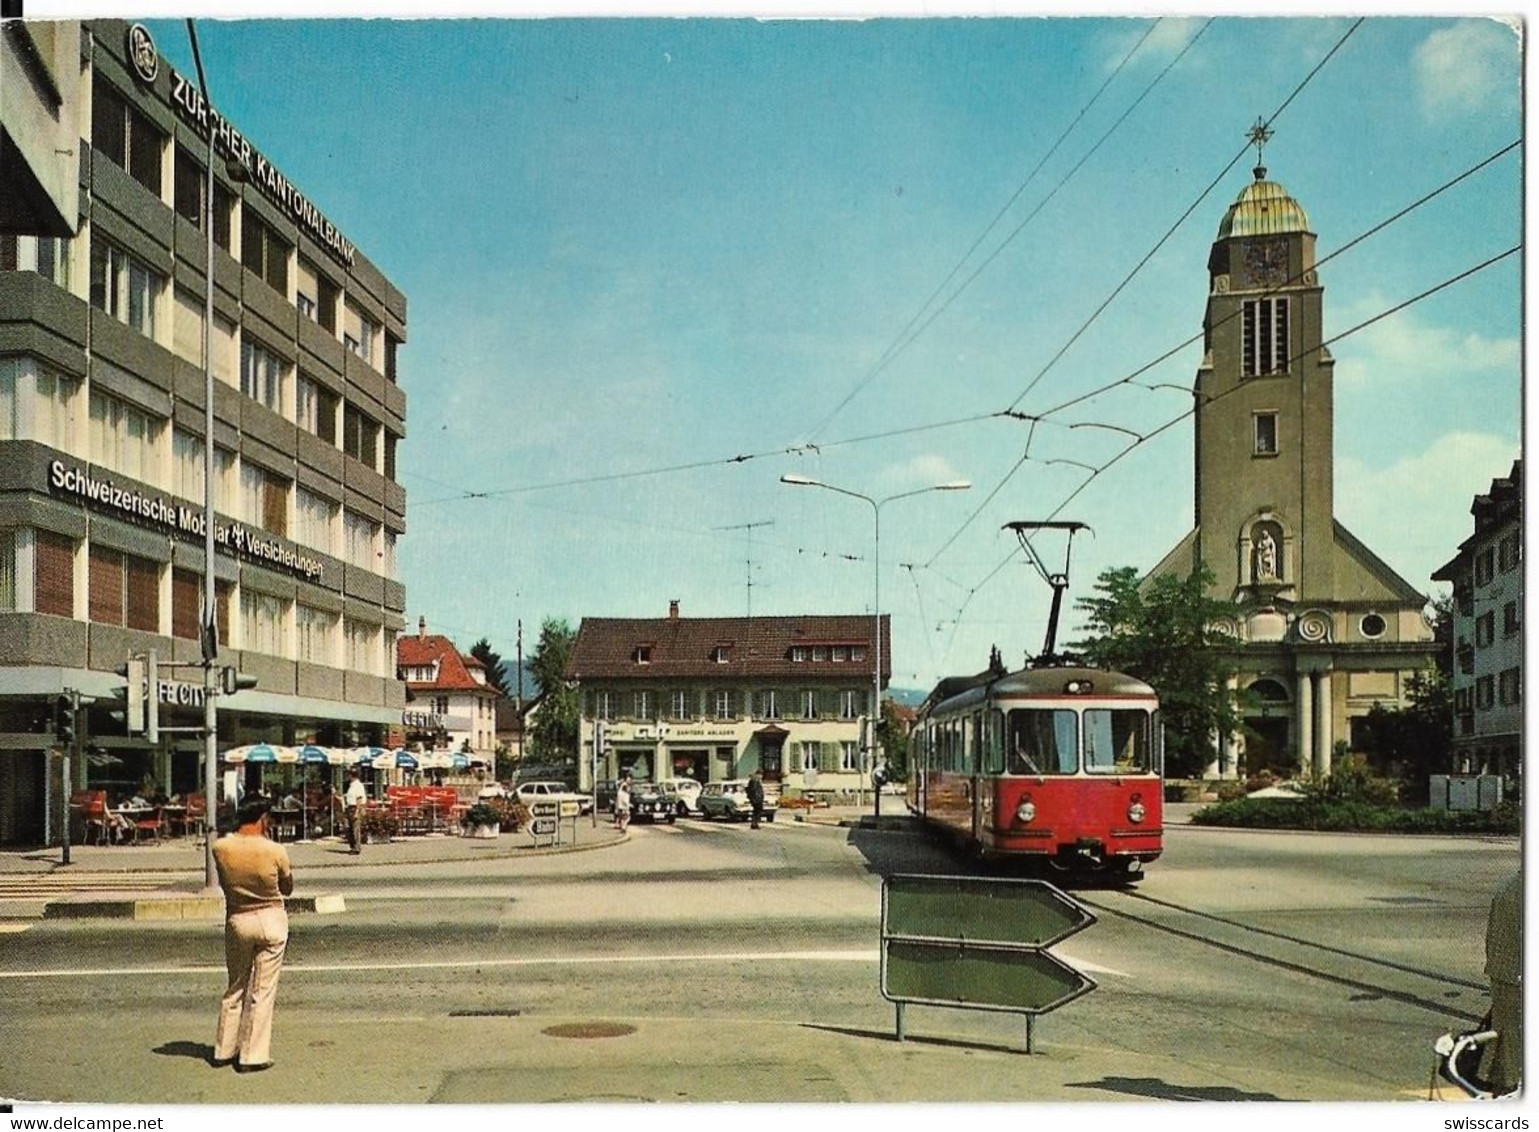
x=260 y=753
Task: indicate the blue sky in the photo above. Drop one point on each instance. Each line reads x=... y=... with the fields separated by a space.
x=634 y=244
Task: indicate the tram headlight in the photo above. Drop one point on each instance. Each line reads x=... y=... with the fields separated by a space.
x=1026 y=812
x=1136 y=809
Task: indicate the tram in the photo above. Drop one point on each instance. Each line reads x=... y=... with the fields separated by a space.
x=1057 y=762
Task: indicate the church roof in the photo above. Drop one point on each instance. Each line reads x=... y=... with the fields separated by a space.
x=1263 y=208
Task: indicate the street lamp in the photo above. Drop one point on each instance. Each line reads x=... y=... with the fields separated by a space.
x=876 y=601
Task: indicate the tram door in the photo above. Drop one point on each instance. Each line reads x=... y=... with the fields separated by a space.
x=973 y=751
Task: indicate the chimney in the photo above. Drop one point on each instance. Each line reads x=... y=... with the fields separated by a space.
x=673 y=610
x=421 y=628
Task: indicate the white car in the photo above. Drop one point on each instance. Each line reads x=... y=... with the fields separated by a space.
x=687 y=790
x=729 y=800
x=552 y=791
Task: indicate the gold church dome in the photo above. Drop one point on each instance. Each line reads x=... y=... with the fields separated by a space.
x=1263 y=208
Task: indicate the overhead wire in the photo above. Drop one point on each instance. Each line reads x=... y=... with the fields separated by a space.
x=898 y=345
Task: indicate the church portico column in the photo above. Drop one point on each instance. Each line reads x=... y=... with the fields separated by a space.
x=1325 y=739
x=1229 y=758
x=1306 y=724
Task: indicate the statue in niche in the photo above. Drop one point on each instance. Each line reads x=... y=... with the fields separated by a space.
x=1266 y=556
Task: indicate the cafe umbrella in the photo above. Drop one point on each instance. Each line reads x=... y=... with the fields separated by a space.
x=309 y=755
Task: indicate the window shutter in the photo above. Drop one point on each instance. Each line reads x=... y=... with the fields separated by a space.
x=222 y=611
x=275 y=506
x=143 y=594
x=54 y=589
x=106 y=593
x=185 y=606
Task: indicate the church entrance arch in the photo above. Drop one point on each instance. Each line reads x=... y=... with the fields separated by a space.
x=1268 y=727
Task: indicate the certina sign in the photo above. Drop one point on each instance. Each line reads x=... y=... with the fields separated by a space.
x=180 y=518
x=189 y=102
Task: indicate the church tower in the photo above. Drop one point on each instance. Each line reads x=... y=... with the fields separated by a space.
x=1323 y=629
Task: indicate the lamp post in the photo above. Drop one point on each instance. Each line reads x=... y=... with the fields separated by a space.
x=876 y=598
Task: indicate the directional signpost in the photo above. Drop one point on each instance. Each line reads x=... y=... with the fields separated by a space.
x=543 y=819
x=979 y=944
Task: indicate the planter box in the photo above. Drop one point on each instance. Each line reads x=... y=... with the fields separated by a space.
x=485 y=832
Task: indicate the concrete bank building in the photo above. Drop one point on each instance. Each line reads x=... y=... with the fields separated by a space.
x=102 y=435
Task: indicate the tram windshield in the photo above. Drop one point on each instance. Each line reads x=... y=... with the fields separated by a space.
x=1041 y=741
x=1117 y=741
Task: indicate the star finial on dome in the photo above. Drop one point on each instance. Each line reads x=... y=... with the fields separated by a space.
x=1259 y=135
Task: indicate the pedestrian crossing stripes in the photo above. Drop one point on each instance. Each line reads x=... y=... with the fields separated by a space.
x=45 y=886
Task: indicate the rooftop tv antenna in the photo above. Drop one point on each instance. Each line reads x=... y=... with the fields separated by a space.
x=748 y=543
x=1059 y=581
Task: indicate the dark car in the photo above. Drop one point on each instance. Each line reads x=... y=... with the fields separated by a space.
x=651 y=802
x=606 y=795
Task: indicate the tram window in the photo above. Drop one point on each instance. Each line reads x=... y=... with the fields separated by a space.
x=1117 y=741
x=1042 y=742
x=970 y=745
x=993 y=743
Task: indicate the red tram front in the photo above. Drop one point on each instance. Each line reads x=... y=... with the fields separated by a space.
x=1060 y=764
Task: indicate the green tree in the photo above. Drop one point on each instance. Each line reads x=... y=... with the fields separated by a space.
x=1415 y=741
x=1161 y=632
x=553 y=734
x=892 y=736
x=496 y=670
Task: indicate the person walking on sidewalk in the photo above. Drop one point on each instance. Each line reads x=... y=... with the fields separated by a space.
x=353 y=800
x=755 y=793
x=623 y=803
x=255 y=875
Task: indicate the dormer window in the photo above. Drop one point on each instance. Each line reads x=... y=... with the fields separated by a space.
x=721 y=654
x=798 y=655
x=819 y=653
x=841 y=654
x=642 y=654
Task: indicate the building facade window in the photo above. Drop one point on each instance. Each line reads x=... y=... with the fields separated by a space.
x=126 y=137
x=1265 y=433
x=264 y=499
x=124 y=590
x=857 y=653
x=48 y=256
x=1511 y=550
x=769 y=704
x=264 y=252
x=641 y=705
x=316 y=632
x=1485 y=629
x=807 y=756
x=1485 y=692
x=191 y=191
x=360 y=334
x=849 y=756
x=798 y=654
x=809 y=704
x=364 y=651
x=1485 y=565
x=265 y=623
x=1510 y=686
x=125 y=287
x=362 y=535
x=1512 y=619
x=723 y=700
x=37 y=404
x=316 y=520
x=124 y=438
x=7 y=570
x=849 y=704
x=678 y=705
x=1264 y=337
x=360 y=436
x=721 y=654
x=263 y=374
x=603 y=705
x=53 y=573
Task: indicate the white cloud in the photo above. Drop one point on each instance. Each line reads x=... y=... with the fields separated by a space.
x=1169 y=36
x=1402 y=347
x=921 y=471
x=1460 y=69
x=1415 y=512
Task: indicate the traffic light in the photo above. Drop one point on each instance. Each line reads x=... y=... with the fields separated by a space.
x=64 y=721
x=231 y=681
x=133 y=674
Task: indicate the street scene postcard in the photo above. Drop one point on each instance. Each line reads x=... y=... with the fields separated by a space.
x=662 y=562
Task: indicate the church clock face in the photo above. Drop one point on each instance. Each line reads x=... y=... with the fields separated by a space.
x=1267 y=261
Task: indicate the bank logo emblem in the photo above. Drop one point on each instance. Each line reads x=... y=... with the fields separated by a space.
x=142 y=53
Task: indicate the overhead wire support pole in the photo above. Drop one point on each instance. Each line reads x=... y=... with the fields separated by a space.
x=209 y=633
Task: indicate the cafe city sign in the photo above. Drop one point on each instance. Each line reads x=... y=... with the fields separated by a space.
x=180 y=518
x=189 y=103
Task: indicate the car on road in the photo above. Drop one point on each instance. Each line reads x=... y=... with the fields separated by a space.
x=552 y=791
x=650 y=802
x=687 y=791
x=729 y=800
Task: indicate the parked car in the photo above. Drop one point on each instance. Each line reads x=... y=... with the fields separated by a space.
x=492 y=790
x=650 y=801
x=729 y=800
x=606 y=795
x=687 y=791
x=552 y=791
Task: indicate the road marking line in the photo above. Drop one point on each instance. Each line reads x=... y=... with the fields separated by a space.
x=854 y=955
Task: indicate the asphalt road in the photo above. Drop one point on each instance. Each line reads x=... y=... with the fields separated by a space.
x=713 y=962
